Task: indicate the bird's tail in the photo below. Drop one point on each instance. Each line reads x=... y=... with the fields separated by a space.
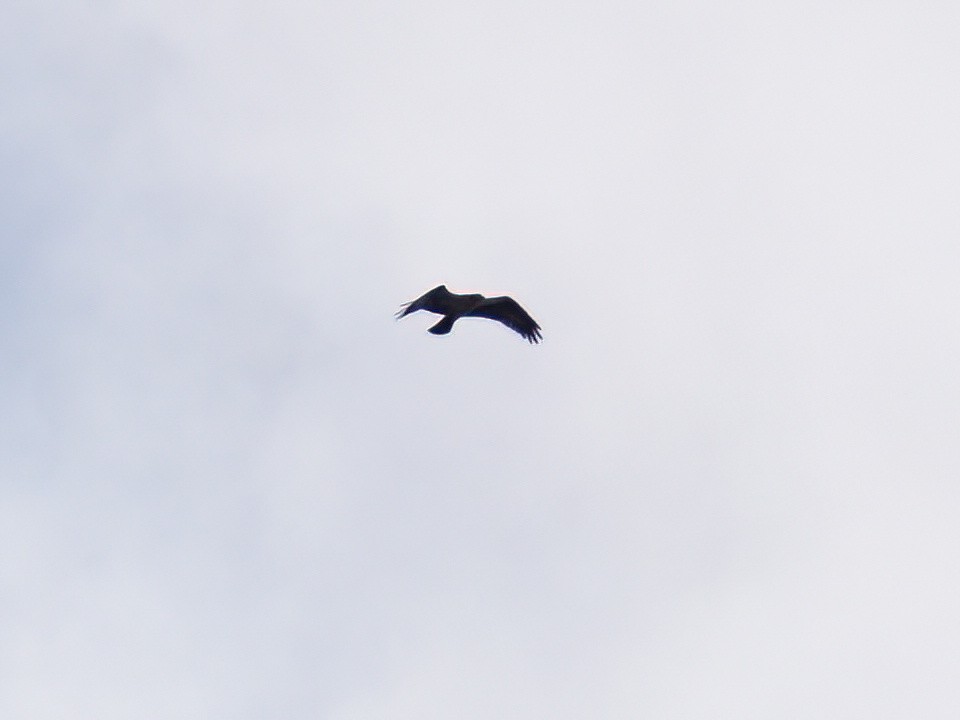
x=444 y=326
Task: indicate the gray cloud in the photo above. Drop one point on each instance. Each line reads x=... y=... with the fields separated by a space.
x=724 y=485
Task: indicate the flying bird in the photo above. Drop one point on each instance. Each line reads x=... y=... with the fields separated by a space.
x=453 y=307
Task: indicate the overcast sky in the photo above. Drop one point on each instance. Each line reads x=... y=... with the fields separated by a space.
x=727 y=484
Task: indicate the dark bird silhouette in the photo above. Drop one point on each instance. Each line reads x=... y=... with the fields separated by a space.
x=453 y=307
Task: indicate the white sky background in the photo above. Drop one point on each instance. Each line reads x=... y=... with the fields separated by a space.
x=726 y=484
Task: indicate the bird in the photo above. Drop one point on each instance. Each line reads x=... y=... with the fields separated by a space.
x=452 y=306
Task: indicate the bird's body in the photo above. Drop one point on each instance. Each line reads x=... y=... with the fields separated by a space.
x=453 y=306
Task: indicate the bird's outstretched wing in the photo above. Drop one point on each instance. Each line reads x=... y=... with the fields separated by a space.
x=439 y=300
x=508 y=311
